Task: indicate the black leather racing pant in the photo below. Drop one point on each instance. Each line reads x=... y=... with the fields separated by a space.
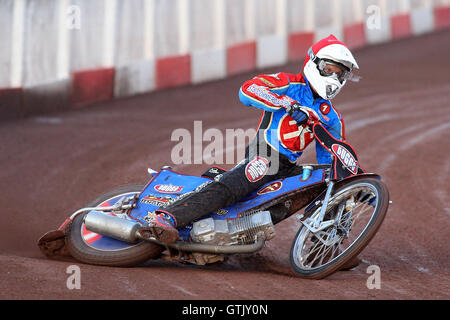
x=261 y=165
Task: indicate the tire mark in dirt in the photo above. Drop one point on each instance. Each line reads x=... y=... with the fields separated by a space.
x=411 y=143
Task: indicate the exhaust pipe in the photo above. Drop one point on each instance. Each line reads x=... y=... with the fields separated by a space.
x=218 y=249
x=112 y=226
x=128 y=231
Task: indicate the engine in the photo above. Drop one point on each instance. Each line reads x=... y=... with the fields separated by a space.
x=242 y=230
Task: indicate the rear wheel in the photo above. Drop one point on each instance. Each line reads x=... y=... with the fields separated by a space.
x=358 y=209
x=92 y=248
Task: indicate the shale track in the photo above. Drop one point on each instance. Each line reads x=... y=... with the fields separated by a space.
x=397 y=118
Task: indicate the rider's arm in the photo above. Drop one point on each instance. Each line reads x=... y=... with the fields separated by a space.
x=335 y=126
x=267 y=92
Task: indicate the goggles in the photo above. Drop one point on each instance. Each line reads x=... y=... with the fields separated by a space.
x=330 y=68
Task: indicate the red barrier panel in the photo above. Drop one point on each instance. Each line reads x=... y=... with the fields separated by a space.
x=441 y=17
x=401 y=26
x=355 y=36
x=173 y=71
x=91 y=86
x=241 y=57
x=299 y=44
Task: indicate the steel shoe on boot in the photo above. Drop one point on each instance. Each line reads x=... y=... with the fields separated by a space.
x=162 y=227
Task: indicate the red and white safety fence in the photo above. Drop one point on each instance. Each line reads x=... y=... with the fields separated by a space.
x=372 y=22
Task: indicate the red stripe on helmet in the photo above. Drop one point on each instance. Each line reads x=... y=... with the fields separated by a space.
x=331 y=39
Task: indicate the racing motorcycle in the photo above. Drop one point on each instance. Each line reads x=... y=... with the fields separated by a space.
x=340 y=207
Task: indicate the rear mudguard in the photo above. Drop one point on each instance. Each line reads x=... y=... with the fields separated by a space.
x=317 y=201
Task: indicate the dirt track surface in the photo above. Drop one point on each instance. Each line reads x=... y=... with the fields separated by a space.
x=397 y=118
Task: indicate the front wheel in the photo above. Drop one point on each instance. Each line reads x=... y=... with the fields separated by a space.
x=92 y=248
x=357 y=209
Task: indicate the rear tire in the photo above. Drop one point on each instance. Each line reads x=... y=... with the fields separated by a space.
x=126 y=257
x=306 y=243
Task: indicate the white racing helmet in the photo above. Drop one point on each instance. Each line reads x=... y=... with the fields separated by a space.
x=325 y=52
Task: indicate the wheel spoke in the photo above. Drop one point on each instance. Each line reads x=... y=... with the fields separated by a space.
x=352 y=210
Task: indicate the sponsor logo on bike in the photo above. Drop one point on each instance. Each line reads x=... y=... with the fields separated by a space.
x=346 y=157
x=274 y=186
x=155 y=200
x=221 y=212
x=256 y=169
x=168 y=188
x=150 y=216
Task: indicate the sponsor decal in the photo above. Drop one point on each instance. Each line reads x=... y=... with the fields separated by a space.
x=168 y=188
x=221 y=212
x=256 y=169
x=156 y=200
x=346 y=157
x=150 y=216
x=325 y=108
x=266 y=95
x=274 y=186
x=169 y=200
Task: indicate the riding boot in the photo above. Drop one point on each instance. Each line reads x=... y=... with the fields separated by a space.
x=162 y=228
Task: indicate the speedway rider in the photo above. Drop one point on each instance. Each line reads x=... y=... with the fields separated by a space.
x=290 y=104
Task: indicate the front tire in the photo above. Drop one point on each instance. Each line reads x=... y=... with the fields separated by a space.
x=128 y=256
x=317 y=255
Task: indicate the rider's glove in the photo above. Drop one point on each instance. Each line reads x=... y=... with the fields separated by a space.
x=296 y=112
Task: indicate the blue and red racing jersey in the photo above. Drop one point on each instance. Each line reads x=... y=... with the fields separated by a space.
x=272 y=94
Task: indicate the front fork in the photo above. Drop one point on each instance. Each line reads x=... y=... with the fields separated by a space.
x=317 y=224
x=324 y=204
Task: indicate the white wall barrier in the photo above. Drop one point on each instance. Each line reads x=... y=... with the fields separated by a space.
x=60 y=54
